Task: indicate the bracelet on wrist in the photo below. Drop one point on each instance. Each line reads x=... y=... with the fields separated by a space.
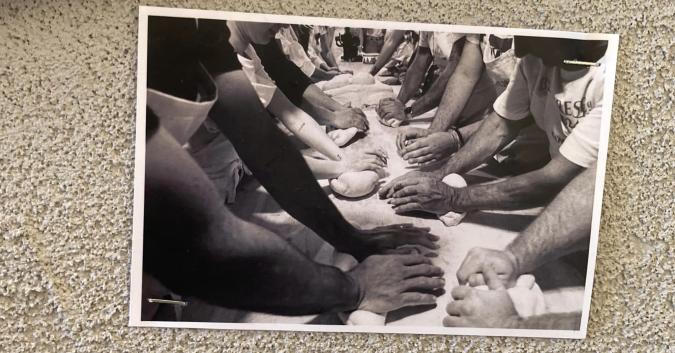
x=459 y=135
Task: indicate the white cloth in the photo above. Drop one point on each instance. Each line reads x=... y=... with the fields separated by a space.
x=499 y=63
x=527 y=297
x=294 y=51
x=566 y=105
x=182 y=117
x=264 y=86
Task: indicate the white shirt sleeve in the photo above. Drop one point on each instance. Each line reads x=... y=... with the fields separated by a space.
x=514 y=102
x=264 y=86
x=581 y=146
x=294 y=51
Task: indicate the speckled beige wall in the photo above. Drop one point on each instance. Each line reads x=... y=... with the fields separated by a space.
x=68 y=76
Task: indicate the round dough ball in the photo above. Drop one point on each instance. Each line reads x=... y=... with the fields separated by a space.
x=342 y=136
x=455 y=180
x=355 y=184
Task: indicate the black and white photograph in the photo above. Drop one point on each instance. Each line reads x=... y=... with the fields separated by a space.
x=317 y=174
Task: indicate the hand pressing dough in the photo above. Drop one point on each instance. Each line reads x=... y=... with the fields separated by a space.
x=452 y=219
x=526 y=296
x=337 y=82
x=342 y=136
x=363 y=78
x=355 y=184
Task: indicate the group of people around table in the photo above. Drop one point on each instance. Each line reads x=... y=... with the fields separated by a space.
x=223 y=97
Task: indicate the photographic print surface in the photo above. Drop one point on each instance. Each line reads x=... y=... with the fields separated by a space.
x=316 y=174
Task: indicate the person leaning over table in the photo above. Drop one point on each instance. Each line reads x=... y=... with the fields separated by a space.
x=302 y=92
x=333 y=161
x=427 y=146
x=564 y=100
x=196 y=247
x=288 y=40
x=458 y=57
x=562 y=228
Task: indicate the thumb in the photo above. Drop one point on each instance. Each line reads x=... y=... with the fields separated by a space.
x=492 y=279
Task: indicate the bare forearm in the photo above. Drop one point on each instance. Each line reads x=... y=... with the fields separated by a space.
x=432 y=98
x=415 y=74
x=324 y=169
x=315 y=100
x=492 y=134
x=561 y=228
x=272 y=158
x=391 y=43
x=459 y=88
x=326 y=53
x=196 y=247
x=519 y=192
x=303 y=126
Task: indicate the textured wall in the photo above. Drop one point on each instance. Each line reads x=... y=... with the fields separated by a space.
x=68 y=76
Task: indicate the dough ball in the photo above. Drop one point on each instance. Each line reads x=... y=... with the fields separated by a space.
x=455 y=180
x=363 y=78
x=342 y=136
x=355 y=184
x=452 y=219
x=367 y=318
x=338 y=81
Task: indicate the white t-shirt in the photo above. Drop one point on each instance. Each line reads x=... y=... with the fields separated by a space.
x=294 y=51
x=440 y=44
x=567 y=105
x=262 y=83
x=499 y=59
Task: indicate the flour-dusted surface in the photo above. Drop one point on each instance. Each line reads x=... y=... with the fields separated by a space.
x=67 y=101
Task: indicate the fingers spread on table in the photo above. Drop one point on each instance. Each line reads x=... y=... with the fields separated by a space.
x=423 y=270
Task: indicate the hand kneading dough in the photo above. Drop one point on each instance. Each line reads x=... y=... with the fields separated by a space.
x=342 y=136
x=451 y=219
x=363 y=78
x=355 y=184
x=337 y=82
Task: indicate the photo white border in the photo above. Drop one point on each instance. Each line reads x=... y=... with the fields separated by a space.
x=139 y=170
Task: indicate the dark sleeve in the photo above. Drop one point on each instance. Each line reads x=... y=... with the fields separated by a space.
x=288 y=76
x=215 y=51
x=177 y=46
x=151 y=123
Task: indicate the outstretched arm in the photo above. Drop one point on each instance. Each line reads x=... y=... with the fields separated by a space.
x=562 y=228
x=195 y=246
x=432 y=98
x=459 y=87
x=393 y=38
x=275 y=162
x=415 y=74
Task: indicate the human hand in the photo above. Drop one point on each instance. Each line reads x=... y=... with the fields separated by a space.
x=425 y=194
x=390 y=282
x=481 y=308
x=387 y=191
x=391 y=112
x=407 y=135
x=391 y=239
x=349 y=117
x=374 y=159
x=481 y=261
x=431 y=149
